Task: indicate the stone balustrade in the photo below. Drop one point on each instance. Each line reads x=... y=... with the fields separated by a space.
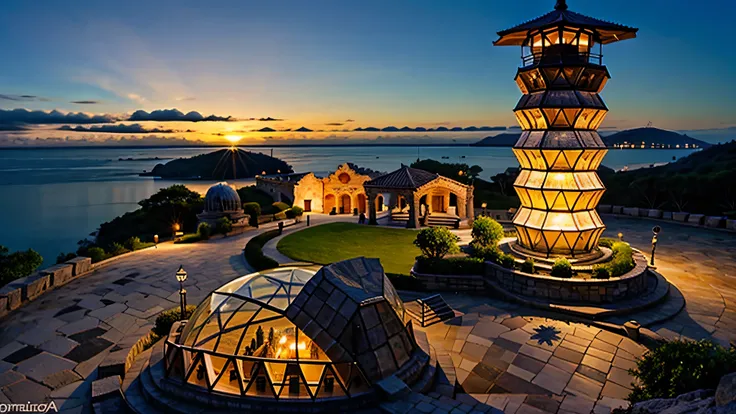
x=23 y=290
x=715 y=222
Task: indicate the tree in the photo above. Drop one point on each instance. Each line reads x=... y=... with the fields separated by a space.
x=436 y=242
x=502 y=179
x=253 y=210
x=459 y=172
x=223 y=225
x=486 y=231
x=17 y=264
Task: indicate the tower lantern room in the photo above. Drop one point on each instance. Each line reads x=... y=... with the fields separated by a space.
x=560 y=111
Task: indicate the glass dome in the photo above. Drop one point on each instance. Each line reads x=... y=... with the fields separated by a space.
x=295 y=333
x=221 y=197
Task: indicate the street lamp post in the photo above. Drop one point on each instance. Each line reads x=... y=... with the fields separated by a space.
x=655 y=233
x=181 y=276
x=484 y=205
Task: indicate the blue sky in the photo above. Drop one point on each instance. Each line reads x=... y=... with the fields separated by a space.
x=379 y=63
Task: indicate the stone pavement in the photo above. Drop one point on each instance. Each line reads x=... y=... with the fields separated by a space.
x=508 y=357
x=701 y=263
x=52 y=347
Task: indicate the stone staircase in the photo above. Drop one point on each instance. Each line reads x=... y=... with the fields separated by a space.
x=430 y=310
x=434 y=220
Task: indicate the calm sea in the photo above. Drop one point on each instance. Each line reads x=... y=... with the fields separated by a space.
x=51 y=198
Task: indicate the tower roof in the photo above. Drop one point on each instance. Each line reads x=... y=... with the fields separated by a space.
x=607 y=32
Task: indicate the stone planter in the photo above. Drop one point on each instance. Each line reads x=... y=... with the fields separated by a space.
x=655 y=213
x=731 y=224
x=605 y=208
x=631 y=211
x=617 y=209
x=80 y=265
x=666 y=215
x=680 y=216
x=13 y=295
x=696 y=219
x=715 y=222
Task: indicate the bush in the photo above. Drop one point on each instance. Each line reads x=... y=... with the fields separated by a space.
x=254 y=251
x=333 y=212
x=486 y=231
x=204 y=231
x=97 y=254
x=450 y=266
x=606 y=242
x=506 y=260
x=436 y=242
x=678 y=367
x=404 y=282
x=251 y=194
x=623 y=259
x=294 y=213
x=223 y=225
x=253 y=210
x=117 y=249
x=600 y=271
x=166 y=319
x=280 y=206
x=133 y=243
x=188 y=238
x=528 y=266
x=17 y=264
x=281 y=215
x=485 y=252
x=562 y=268
x=64 y=257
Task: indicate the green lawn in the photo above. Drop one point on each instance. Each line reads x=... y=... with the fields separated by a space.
x=333 y=242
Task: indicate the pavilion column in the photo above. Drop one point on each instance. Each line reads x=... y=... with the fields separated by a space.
x=413 y=222
x=372 y=208
x=461 y=209
x=471 y=204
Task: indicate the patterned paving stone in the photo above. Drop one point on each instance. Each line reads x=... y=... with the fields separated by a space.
x=568 y=355
x=581 y=385
x=543 y=402
x=83 y=324
x=88 y=334
x=43 y=365
x=520 y=372
x=603 y=346
x=22 y=354
x=592 y=373
x=60 y=345
x=620 y=377
x=527 y=363
x=613 y=390
x=108 y=311
x=88 y=349
x=517 y=335
x=599 y=364
x=540 y=354
x=606 y=356
x=23 y=391
x=61 y=379
x=9 y=377
x=552 y=379
x=577 y=404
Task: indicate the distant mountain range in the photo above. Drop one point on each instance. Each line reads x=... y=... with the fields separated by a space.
x=631 y=138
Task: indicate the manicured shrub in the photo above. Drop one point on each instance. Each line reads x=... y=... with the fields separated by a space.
x=294 y=213
x=486 y=252
x=204 y=231
x=97 y=254
x=254 y=251
x=166 y=319
x=528 y=266
x=281 y=215
x=64 y=257
x=450 y=266
x=506 y=260
x=133 y=243
x=562 y=268
x=679 y=367
x=253 y=210
x=622 y=260
x=600 y=271
x=280 y=206
x=223 y=225
x=404 y=282
x=606 y=242
x=486 y=231
x=436 y=242
x=188 y=238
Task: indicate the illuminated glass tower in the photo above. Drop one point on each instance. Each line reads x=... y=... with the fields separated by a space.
x=559 y=150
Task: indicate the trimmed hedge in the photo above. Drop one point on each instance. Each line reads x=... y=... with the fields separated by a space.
x=166 y=319
x=450 y=266
x=562 y=268
x=621 y=262
x=404 y=282
x=254 y=251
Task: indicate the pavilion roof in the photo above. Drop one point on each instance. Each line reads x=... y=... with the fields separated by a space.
x=608 y=32
x=405 y=178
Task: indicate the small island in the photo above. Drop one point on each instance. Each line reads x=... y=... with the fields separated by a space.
x=219 y=165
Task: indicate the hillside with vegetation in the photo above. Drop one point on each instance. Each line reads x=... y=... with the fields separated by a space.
x=218 y=165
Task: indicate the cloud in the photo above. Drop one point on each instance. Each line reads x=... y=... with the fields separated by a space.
x=349 y=120
x=85 y=102
x=424 y=129
x=186 y=98
x=117 y=129
x=24 y=116
x=137 y=98
x=23 y=98
x=269 y=119
x=150 y=140
x=335 y=123
x=303 y=129
x=165 y=115
x=266 y=129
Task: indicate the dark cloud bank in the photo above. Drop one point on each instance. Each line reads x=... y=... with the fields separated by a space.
x=117 y=129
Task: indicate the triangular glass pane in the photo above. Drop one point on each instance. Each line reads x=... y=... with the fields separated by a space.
x=561 y=161
x=523 y=122
x=551 y=114
x=571 y=114
x=265 y=315
x=358 y=383
x=294 y=386
x=571 y=238
x=198 y=372
x=582 y=242
x=229 y=380
x=260 y=384
x=550 y=156
x=572 y=73
x=550 y=197
x=215 y=366
x=559 y=202
x=570 y=198
x=572 y=157
x=330 y=385
x=521 y=85
x=551 y=74
x=560 y=81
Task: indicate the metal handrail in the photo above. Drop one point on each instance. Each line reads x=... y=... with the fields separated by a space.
x=533 y=58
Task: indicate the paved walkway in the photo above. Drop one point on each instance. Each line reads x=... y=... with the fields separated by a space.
x=53 y=346
x=701 y=263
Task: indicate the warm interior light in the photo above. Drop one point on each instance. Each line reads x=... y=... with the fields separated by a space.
x=560 y=177
x=282 y=340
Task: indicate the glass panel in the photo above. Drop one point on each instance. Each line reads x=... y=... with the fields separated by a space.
x=561 y=121
x=583 y=220
x=522 y=179
x=551 y=74
x=537 y=114
x=536 y=179
x=562 y=181
x=522 y=120
x=198 y=375
x=559 y=221
x=535 y=138
x=536 y=219
x=522 y=216
x=584 y=119
x=553 y=38
x=196 y=322
x=537 y=199
x=598 y=119
x=572 y=157
x=521 y=157
x=568 y=37
x=551 y=114
x=571 y=197
x=550 y=156
x=521 y=85
x=572 y=114
x=535 y=99
x=523 y=196
x=260 y=384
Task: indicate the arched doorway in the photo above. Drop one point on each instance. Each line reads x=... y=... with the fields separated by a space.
x=345 y=204
x=329 y=203
x=361 y=203
x=379 y=203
